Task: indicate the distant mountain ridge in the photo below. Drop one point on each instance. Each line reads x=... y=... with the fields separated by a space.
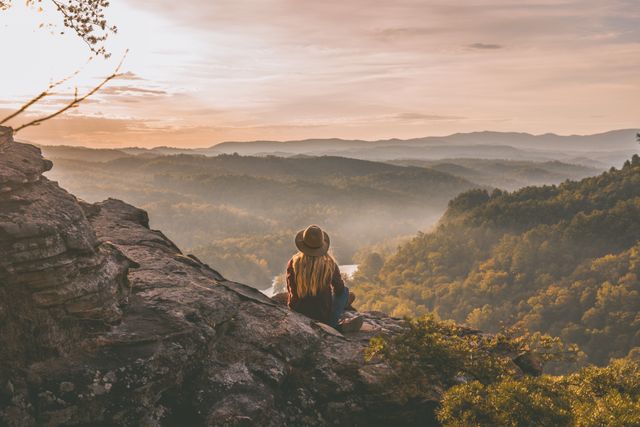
x=616 y=139
x=506 y=174
x=600 y=150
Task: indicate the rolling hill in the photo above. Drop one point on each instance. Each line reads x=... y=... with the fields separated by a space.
x=563 y=260
x=240 y=213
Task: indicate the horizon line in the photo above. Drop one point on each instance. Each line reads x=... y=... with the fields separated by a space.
x=334 y=139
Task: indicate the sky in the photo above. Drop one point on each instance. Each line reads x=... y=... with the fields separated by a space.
x=207 y=71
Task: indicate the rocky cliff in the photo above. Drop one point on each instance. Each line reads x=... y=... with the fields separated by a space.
x=104 y=321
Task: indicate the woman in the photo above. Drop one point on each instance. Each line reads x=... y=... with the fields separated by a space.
x=314 y=285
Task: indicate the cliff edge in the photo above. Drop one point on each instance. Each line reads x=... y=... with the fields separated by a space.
x=106 y=322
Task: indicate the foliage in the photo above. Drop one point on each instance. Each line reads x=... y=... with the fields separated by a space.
x=254 y=258
x=86 y=18
x=370 y=266
x=433 y=352
x=482 y=380
x=593 y=396
x=563 y=260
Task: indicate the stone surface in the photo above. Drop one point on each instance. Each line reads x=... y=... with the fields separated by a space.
x=106 y=322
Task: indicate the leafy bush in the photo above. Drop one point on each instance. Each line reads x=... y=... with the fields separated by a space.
x=431 y=351
x=483 y=382
x=593 y=396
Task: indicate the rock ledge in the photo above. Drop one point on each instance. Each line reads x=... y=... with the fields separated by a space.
x=104 y=321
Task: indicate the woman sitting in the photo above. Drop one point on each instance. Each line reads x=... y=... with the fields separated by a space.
x=314 y=284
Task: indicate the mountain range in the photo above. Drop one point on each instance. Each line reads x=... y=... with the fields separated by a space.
x=600 y=150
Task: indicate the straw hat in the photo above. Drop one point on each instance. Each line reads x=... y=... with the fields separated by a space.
x=312 y=241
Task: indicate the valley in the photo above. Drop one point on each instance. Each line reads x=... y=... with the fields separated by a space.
x=238 y=212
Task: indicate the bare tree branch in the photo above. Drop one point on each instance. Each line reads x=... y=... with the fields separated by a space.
x=42 y=95
x=76 y=101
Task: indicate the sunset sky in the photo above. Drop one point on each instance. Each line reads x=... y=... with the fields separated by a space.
x=207 y=71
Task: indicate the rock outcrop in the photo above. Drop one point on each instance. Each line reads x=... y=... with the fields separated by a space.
x=105 y=322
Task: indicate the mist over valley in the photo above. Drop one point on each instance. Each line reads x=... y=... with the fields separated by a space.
x=237 y=205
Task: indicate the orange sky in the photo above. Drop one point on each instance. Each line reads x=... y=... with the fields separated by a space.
x=204 y=71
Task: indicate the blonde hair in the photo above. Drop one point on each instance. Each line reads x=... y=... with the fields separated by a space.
x=312 y=273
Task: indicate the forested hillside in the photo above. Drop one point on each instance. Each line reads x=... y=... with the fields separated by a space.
x=240 y=213
x=564 y=260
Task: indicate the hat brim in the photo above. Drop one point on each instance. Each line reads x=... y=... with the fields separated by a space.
x=322 y=250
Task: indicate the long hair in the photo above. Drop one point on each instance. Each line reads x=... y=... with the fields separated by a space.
x=312 y=273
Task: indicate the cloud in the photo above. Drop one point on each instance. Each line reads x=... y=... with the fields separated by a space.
x=404 y=33
x=420 y=117
x=487 y=46
x=130 y=90
x=286 y=69
x=129 y=75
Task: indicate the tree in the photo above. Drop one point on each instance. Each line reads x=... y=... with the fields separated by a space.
x=593 y=396
x=85 y=18
x=371 y=265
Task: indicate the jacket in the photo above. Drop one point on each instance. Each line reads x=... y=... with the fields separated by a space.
x=317 y=306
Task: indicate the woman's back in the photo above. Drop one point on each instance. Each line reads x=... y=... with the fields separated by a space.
x=314 y=284
x=311 y=280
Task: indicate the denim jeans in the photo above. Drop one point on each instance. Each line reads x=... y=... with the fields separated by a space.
x=338 y=305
